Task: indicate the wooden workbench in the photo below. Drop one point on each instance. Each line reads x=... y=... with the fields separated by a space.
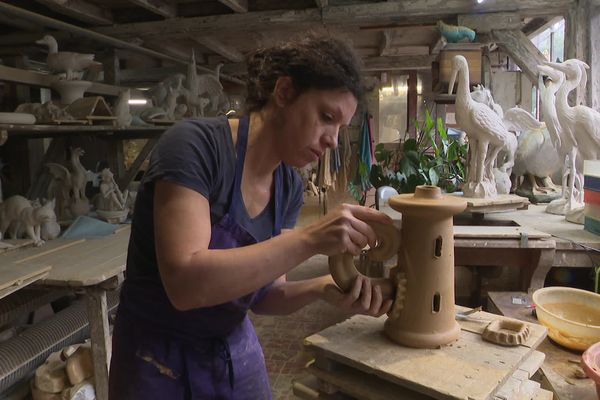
x=92 y=266
x=355 y=358
x=560 y=363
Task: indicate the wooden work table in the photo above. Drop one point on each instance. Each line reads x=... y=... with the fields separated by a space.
x=560 y=363
x=91 y=266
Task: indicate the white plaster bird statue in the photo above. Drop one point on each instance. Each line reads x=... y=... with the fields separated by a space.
x=210 y=86
x=66 y=61
x=122 y=109
x=485 y=130
x=580 y=122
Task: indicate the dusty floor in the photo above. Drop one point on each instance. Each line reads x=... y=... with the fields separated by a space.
x=282 y=336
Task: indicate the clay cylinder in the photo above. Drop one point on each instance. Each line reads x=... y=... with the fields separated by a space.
x=426 y=256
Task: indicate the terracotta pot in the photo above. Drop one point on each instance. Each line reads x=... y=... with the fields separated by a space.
x=422 y=284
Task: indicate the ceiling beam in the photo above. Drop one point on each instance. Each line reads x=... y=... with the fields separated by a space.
x=81 y=10
x=373 y=64
x=78 y=31
x=164 y=8
x=380 y=13
x=487 y=22
x=228 y=52
x=523 y=52
x=239 y=6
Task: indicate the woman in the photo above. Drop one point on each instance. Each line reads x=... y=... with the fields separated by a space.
x=205 y=245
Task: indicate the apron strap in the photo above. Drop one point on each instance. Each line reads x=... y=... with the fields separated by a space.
x=241 y=144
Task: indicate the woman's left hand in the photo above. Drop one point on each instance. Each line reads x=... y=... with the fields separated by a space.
x=363 y=298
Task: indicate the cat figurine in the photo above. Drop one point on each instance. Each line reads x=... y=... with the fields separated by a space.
x=18 y=213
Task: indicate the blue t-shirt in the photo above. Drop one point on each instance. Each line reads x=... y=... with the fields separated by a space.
x=200 y=155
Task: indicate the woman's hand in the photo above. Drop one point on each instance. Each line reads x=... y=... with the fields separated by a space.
x=363 y=298
x=344 y=230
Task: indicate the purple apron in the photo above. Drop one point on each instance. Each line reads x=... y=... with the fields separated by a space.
x=205 y=353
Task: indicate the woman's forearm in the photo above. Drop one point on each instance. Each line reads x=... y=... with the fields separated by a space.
x=211 y=277
x=288 y=297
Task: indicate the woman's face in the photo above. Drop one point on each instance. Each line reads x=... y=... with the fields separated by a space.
x=310 y=123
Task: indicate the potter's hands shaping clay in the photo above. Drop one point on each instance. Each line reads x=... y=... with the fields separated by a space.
x=345 y=230
x=363 y=298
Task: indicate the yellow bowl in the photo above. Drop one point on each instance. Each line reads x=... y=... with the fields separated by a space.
x=572 y=316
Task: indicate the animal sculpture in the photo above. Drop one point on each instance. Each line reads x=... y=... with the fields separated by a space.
x=579 y=123
x=66 y=61
x=454 y=33
x=485 y=130
x=68 y=186
x=18 y=213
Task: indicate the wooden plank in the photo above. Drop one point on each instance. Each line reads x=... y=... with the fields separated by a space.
x=497 y=232
x=89 y=263
x=164 y=8
x=13 y=244
x=397 y=63
x=485 y=23
x=380 y=13
x=240 y=6
x=230 y=53
x=100 y=338
x=479 y=320
x=12 y=274
x=467 y=368
x=81 y=10
x=522 y=50
x=21 y=284
x=35 y=254
x=361 y=385
x=43 y=80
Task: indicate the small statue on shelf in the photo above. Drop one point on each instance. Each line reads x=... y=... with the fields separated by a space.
x=66 y=61
x=111 y=203
x=68 y=186
x=18 y=213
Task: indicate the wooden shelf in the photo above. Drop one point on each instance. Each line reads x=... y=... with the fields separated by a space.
x=39 y=131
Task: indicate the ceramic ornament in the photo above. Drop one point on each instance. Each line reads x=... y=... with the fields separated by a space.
x=422 y=284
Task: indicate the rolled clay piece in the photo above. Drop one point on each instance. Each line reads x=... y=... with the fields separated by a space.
x=80 y=365
x=344 y=271
x=51 y=377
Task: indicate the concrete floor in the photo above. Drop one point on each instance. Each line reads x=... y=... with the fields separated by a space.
x=281 y=336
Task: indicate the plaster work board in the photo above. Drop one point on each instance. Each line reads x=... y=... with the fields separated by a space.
x=469 y=368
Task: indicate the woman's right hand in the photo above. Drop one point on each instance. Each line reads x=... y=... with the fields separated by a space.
x=344 y=230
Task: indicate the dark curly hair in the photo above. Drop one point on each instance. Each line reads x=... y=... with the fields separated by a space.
x=312 y=63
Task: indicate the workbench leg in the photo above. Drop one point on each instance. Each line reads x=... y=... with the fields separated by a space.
x=542 y=267
x=100 y=335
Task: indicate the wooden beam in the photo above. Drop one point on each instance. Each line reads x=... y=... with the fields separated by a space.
x=43 y=80
x=149 y=74
x=397 y=63
x=322 y=3
x=240 y=6
x=523 y=52
x=406 y=51
x=218 y=47
x=387 y=37
x=164 y=8
x=19 y=23
x=81 y=10
x=488 y=22
x=380 y=13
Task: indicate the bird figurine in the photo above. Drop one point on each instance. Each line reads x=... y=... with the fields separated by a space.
x=66 y=61
x=485 y=130
x=210 y=86
x=581 y=123
x=455 y=33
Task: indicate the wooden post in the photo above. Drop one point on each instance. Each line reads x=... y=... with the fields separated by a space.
x=99 y=332
x=412 y=102
x=111 y=68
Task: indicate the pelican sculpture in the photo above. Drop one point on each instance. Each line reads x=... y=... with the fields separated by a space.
x=485 y=130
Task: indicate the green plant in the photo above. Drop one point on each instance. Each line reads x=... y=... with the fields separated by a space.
x=432 y=158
